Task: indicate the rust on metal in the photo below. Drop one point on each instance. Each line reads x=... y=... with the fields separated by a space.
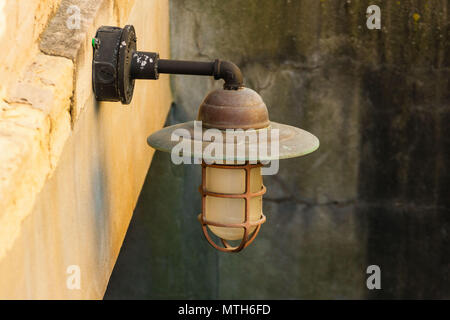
x=247 y=195
x=233 y=109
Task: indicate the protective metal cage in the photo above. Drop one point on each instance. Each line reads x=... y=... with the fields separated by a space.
x=247 y=195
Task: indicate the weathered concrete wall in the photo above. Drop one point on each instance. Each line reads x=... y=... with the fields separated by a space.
x=376 y=192
x=71 y=169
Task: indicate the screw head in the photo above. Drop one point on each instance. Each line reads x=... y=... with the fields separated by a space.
x=95 y=43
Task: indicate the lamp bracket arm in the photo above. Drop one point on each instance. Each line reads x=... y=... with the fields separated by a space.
x=116 y=64
x=148 y=65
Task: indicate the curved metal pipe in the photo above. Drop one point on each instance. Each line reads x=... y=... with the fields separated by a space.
x=229 y=72
x=147 y=65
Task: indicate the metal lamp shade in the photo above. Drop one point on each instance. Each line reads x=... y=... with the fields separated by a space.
x=292 y=142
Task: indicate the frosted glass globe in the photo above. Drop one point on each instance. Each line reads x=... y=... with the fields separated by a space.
x=229 y=210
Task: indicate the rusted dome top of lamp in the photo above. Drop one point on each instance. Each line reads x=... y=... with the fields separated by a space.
x=233 y=109
x=236 y=109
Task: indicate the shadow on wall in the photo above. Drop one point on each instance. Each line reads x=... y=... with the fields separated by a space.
x=376 y=192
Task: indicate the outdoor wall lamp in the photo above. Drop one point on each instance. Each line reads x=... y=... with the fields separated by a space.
x=231 y=137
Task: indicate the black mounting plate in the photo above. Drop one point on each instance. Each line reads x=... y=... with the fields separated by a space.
x=113 y=50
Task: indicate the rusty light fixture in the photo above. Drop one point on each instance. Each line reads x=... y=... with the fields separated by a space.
x=232 y=186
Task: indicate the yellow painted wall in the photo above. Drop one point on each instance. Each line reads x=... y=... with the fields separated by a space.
x=80 y=214
x=21 y=23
